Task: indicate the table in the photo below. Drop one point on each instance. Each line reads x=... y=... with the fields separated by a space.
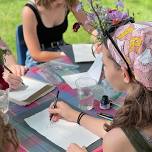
x=29 y=138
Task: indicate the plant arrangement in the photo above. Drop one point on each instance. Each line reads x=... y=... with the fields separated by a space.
x=103 y=19
x=3 y=52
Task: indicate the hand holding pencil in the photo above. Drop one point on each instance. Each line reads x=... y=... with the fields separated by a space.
x=62 y=110
x=54 y=104
x=13 y=74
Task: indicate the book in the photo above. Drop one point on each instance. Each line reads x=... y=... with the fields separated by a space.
x=31 y=91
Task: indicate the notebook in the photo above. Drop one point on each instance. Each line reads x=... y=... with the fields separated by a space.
x=31 y=91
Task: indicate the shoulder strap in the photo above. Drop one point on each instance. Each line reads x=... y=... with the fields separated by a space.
x=68 y=11
x=32 y=6
x=137 y=140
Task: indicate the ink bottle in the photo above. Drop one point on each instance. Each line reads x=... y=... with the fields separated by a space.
x=105 y=102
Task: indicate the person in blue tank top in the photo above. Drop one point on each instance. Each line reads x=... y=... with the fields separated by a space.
x=44 y=22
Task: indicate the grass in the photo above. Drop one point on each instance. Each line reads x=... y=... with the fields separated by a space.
x=10 y=17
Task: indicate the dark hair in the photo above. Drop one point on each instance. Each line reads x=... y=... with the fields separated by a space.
x=136 y=111
x=46 y=3
x=7 y=136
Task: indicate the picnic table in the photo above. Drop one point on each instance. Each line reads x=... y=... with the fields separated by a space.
x=50 y=72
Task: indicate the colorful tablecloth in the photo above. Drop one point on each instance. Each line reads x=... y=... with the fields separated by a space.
x=50 y=72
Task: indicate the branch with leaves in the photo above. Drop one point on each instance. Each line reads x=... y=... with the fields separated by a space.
x=3 y=52
x=103 y=19
x=106 y=21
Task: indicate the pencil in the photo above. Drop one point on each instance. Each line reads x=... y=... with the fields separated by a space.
x=8 y=69
x=11 y=72
x=54 y=105
x=105 y=117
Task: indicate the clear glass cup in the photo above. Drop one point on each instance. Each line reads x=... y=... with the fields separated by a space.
x=4 y=104
x=85 y=87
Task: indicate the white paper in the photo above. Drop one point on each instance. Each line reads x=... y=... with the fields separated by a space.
x=31 y=86
x=83 y=52
x=94 y=72
x=62 y=133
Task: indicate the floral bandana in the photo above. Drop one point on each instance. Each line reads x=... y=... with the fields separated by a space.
x=3 y=51
x=135 y=43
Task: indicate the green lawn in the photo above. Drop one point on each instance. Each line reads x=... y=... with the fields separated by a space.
x=10 y=17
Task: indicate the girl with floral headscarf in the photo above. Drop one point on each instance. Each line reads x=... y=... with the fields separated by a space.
x=128 y=70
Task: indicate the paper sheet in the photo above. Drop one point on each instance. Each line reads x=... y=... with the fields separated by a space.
x=94 y=72
x=62 y=133
x=83 y=52
x=31 y=86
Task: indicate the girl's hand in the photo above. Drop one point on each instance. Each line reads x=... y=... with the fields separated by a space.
x=76 y=148
x=94 y=36
x=18 y=70
x=99 y=48
x=63 y=110
x=13 y=80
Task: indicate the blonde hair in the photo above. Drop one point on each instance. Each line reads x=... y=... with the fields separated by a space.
x=47 y=3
